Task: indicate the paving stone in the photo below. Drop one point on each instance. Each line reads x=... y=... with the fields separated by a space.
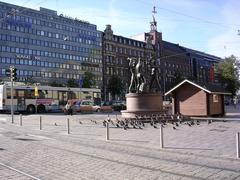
x=191 y=153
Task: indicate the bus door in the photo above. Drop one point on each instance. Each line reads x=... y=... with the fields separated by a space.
x=20 y=100
x=63 y=97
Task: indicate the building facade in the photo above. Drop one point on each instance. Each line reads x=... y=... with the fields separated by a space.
x=202 y=66
x=46 y=47
x=116 y=50
x=177 y=62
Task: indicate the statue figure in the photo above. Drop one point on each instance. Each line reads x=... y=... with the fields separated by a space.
x=140 y=78
x=132 y=65
x=154 y=80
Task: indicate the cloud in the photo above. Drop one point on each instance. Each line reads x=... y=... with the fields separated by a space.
x=186 y=4
x=228 y=42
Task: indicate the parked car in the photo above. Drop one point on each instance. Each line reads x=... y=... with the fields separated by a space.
x=83 y=106
x=118 y=105
x=106 y=107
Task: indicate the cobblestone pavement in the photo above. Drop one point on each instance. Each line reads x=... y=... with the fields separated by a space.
x=205 y=151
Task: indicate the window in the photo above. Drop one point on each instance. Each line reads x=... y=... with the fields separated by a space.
x=215 y=98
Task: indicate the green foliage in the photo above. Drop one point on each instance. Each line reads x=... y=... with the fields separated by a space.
x=88 y=80
x=115 y=86
x=54 y=84
x=72 y=83
x=228 y=74
x=29 y=81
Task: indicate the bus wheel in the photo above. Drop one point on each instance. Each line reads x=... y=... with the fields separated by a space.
x=30 y=109
x=41 y=109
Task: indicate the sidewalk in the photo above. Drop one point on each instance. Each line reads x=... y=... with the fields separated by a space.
x=205 y=151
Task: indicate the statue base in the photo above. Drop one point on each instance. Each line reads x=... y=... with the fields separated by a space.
x=143 y=104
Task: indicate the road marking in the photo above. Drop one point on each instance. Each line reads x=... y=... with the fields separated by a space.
x=21 y=172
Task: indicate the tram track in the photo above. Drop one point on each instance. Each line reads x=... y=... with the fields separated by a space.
x=19 y=171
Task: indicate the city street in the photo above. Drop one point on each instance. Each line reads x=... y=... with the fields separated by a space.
x=119 y=90
x=205 y=151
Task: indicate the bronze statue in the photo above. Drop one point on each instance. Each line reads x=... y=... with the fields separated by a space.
x=140 y=78
x=132 y=65
x=154 y=80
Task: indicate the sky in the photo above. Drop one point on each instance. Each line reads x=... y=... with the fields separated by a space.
x=210 y=26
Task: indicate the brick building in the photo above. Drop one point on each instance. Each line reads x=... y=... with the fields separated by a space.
x=208 y=99
x=116 y=50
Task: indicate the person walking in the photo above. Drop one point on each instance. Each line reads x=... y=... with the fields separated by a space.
x=68 y=108
x=235 y=102
x=71 y=109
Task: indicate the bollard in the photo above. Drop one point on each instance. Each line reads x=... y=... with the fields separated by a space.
x=107 y=131
x=238 y=144
x=20 y=119
x=161 y=137
x=68 y=125
x=40 y=122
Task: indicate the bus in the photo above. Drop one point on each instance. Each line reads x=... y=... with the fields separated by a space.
x=43 y=98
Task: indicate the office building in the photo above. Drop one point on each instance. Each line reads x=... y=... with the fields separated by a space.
x=46 y=47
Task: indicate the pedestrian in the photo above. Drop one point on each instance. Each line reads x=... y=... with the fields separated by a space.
x=71 y=109
x=68 y=107
x=235 y=102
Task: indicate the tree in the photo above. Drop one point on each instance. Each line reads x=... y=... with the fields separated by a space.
x=88 y=80
x=115 y=86
x=54 y=84
x=72 y=83
x=228 y=74
x=29 y=81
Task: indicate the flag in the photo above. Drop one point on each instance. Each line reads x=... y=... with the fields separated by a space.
x=81 y=82
x=211 y=74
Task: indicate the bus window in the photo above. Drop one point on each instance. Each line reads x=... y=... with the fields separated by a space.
x=20 y=93
x=88 y=97
x=41 y=94
x=62 y=97
x=55 y=94
x=9 y=93
x=72 y=95
x=29 y=94
x=48 y=94
x=79 y=95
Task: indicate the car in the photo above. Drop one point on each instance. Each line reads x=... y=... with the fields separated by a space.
x=106 y=107
x=83 y=106
x=118 y=105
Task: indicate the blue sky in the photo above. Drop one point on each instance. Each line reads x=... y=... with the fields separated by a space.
x=210 y=26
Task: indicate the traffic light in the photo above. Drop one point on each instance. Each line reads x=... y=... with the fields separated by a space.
x=8 y=72
x=14 y=73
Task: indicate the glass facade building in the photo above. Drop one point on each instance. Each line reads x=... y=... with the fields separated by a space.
x=46 y=47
